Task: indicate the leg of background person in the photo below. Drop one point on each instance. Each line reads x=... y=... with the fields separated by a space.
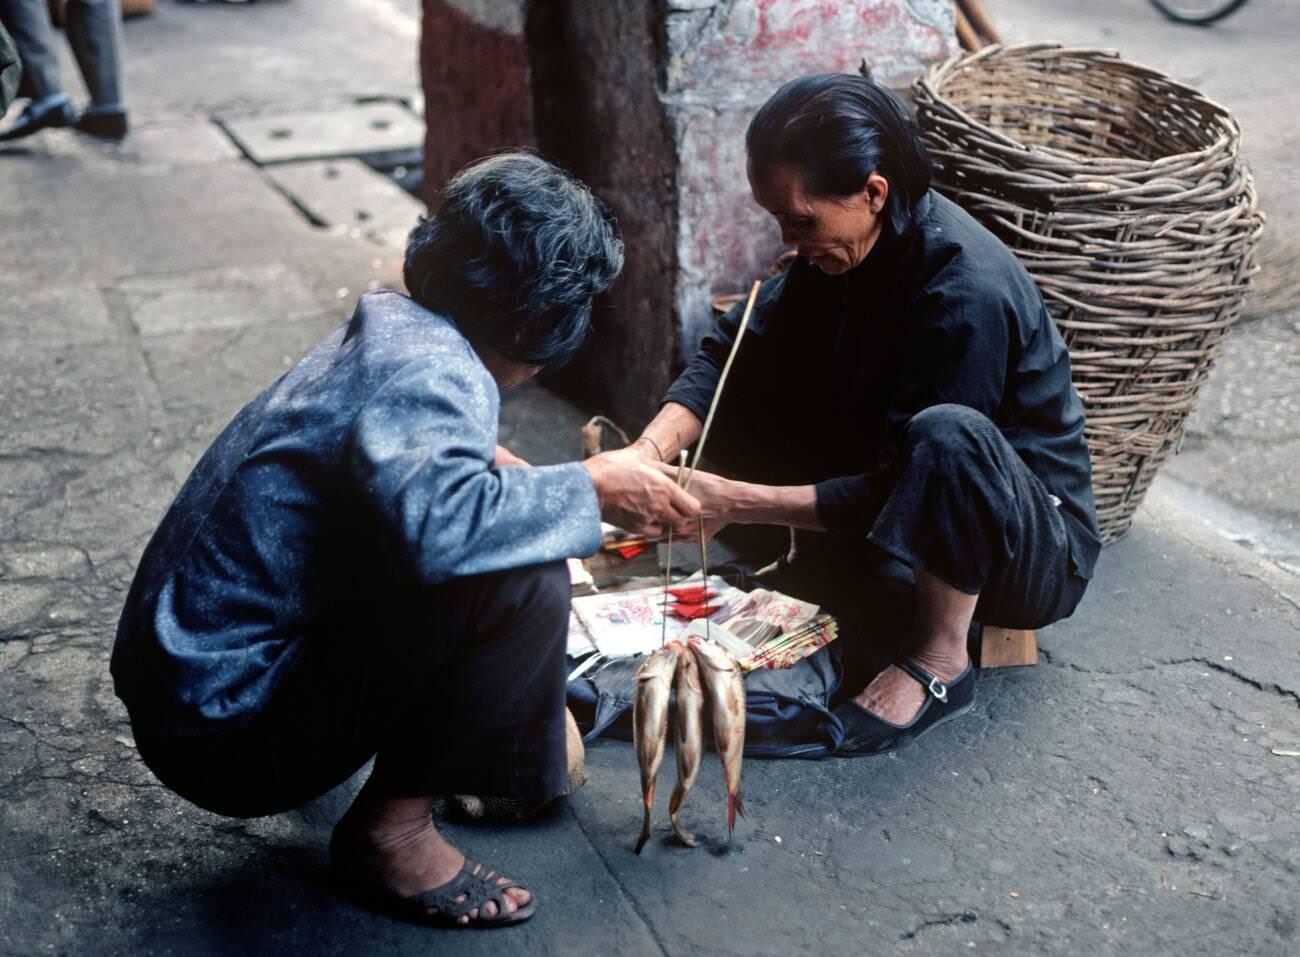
x=28 y=22
x=11 y=69
x=94 y=32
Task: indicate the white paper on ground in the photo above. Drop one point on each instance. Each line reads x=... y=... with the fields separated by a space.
x=622 y=624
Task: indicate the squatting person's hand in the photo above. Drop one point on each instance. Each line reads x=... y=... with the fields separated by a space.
x=635 y=495
x=505 y=457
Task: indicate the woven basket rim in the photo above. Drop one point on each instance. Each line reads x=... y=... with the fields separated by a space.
x=1047 y=156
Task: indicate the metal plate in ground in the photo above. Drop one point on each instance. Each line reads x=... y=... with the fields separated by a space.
x=352 y=131
x=348 y=194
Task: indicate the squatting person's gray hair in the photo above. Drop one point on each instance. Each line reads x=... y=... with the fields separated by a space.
x=514 y=254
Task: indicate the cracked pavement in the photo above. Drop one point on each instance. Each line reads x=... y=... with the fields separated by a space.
x=1137 y=793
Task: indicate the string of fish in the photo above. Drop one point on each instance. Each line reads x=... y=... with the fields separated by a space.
x=702 y=673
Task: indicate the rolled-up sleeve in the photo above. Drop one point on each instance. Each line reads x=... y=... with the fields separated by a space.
x=421 y=451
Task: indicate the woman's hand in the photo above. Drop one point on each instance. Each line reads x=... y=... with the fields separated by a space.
x=726 y=502
x=673 y=429
x=635 y=495
x=720 y=501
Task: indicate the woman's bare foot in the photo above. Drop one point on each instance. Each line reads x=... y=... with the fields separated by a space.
x=942 y=620
x=897 y=697
x=392 y=843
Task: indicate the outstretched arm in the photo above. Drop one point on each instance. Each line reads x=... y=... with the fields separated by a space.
x=673 y=429
x=726 y=502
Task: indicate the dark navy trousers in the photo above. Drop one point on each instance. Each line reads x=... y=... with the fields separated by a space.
x=961 y=505
x=966 y=509
x=460 y=691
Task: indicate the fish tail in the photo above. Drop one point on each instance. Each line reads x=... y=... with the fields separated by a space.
x=683 y=835
x=735 y=805
x=645 y=831
x=674 y=807
x=649 y=798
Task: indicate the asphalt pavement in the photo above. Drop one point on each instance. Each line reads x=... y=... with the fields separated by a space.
x=1136 y=793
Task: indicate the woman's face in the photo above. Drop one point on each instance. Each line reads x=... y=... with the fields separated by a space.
x=834 y=232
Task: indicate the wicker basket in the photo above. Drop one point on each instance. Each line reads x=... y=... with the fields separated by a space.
x=1124 y=194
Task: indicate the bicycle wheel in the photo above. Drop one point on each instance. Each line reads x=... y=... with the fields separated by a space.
x=1200 y=12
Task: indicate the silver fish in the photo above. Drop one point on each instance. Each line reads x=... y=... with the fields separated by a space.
x=689 y=738
x=654 y=681
x=724 y=695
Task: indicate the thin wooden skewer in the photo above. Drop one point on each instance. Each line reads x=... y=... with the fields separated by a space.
x=704 y=435
x=722 y=381
x=685 y=475
x=668 y=563
x=704 y=576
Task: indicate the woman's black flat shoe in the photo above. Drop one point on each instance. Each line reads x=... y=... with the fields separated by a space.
x=865 y=733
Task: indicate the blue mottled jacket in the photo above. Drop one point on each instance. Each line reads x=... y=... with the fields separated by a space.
x=365 y=471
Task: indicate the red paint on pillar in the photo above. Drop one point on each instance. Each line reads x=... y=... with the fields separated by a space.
x=477 y=92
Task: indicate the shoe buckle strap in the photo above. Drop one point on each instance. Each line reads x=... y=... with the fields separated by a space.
x=938 y=689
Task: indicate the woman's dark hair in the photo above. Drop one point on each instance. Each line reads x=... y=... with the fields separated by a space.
x=514 y=254
x=837 y=129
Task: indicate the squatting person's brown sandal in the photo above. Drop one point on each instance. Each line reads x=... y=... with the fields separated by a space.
x=442 y=907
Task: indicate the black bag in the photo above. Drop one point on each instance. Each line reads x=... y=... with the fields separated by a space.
x=788 y=711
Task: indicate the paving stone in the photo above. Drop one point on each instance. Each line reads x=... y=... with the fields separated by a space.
x=179 y=142
x=19 y=603
x=216 y=299
x=221 y=368
x=69 y=400
x=126 y=220
x=367 y=128
x=57 y=313
x=42 y=561
x=349 y=195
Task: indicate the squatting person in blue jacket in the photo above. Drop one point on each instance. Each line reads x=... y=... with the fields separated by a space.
x=355 y=568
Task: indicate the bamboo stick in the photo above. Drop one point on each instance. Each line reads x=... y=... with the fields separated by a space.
x=965 y=34
x=980 y=21
x=722 y=381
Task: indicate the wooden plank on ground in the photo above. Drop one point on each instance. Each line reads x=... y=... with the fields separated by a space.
x=1008 y=647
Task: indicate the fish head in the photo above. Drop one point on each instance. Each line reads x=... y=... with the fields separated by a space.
x=660 y=665
x=687 y=675
x=713 y=656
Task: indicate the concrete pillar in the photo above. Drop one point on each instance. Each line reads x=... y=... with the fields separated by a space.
x=477 y=89
x=648 y=100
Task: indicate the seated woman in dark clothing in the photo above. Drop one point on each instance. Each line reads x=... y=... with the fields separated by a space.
x=902 y=389
x=356 y=569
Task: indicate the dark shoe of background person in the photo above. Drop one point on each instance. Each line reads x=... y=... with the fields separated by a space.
x=40 y=114
x=107 y=124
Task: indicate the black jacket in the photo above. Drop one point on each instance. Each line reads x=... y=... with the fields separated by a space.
x=833 y=367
